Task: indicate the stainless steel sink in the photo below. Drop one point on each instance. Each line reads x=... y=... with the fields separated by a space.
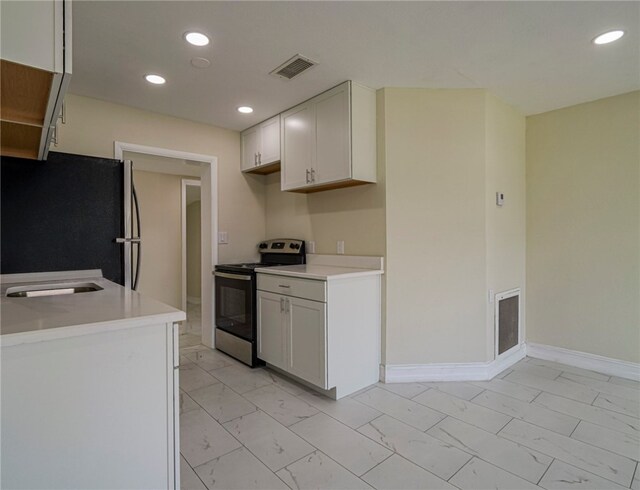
x=58 y=289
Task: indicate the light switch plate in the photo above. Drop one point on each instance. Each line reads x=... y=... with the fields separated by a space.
x=499 y=198
x=223 y=237
x=340 y=247
x=311 y=247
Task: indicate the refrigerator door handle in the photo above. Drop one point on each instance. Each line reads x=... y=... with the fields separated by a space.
x=137 y=240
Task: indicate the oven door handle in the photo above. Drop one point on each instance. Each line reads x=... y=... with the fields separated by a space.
x=240 y=277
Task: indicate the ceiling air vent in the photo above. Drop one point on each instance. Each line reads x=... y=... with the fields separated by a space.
x=293 y=67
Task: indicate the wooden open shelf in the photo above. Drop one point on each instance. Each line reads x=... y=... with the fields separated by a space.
x=19 y=140
x=25 y=93
x=23 y=107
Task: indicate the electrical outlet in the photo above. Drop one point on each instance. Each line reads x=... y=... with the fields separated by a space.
x=311 y=247
x=223 y=237
x=499 y=198
x=340 y=247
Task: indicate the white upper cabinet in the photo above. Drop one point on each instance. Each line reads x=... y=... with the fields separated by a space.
x=298 y=143
x=329 y=141
x=250 y=145
x=35 y=48
x=260 y=146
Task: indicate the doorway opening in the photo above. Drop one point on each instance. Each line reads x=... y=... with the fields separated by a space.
x=191 y=205
x=156 y=168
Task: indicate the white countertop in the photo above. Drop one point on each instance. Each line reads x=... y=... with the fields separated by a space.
x=329 y=268
x=44 y=318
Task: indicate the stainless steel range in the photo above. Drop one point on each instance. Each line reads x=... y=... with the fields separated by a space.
x=235 y=297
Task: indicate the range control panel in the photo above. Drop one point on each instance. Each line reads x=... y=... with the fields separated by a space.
x=281 y=245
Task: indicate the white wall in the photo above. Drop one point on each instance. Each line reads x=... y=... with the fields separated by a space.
x=583 y=227
x=93 y=125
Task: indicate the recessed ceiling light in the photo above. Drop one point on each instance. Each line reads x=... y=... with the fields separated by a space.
x=245 y=109
x=155 y=79
x=196 y=38
x=608 y=37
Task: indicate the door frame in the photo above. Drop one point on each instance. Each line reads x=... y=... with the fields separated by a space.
x=208 y=217
x=183 y=198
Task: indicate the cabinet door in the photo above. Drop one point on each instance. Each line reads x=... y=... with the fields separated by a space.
x=297 y=146
x=271 y=338
x=306 y=327
x=270 y=139
x=333 y=136
x=250 y=143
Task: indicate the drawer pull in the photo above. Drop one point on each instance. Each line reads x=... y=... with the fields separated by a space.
x=283 y=286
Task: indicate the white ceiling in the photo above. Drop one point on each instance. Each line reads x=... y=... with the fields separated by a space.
x=537 y=56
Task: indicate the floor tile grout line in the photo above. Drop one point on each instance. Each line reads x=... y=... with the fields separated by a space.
x=562 y=396
x=460 y=469
x=192 y=469
x=605 y=410
x=475 y=455
x=405 y=423
x=545 y=471
x=574 y=429
x=566 y=462
x=274 y=471
x=475 y=404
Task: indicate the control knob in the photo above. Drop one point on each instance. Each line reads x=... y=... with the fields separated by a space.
x=263 y=245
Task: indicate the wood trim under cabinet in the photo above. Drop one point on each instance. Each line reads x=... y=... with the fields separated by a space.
x=270 y=168
x=330 y=186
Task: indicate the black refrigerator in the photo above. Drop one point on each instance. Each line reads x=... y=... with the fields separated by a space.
x=69 y=212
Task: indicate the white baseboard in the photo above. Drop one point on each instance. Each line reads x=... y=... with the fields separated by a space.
x=584 y=360
x=465 y=371
x=193 y=299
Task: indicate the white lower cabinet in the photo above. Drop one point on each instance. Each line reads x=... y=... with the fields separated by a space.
x=291 y=335
x=306 y=340
x=325 y=333
x=271 y=329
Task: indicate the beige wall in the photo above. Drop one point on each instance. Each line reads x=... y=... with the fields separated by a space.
x=193 y=249
x=92 y=126
x=161 y=263
x=583 y=227
x=435 y=215
x=505 y=225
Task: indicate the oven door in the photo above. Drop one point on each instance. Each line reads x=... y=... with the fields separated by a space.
x=234 y=304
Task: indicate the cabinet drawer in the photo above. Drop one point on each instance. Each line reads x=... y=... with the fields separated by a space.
x=293 y=286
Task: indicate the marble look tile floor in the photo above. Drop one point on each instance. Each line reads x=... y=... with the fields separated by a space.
x=191 y=329
x=539 y=425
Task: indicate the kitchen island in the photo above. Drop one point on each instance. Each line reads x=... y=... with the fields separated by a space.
x=89 y=384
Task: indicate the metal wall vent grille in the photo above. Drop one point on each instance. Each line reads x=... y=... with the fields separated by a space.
x=293 y=67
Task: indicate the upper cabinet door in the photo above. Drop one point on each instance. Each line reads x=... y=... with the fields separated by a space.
x=250 y=144
x=297 y=146
x=270 y=137
x=333 y=136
